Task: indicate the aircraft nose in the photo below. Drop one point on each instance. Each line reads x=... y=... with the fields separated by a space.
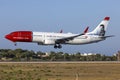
x=8 y=36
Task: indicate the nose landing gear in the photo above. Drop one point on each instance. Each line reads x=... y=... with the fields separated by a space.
x=15 y=44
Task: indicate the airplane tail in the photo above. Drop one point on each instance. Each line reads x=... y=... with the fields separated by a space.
x=101 y=28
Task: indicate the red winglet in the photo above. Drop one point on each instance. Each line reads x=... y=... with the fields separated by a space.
x=86 y=30
x=107 y=18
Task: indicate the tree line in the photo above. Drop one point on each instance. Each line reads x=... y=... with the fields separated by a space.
x=26 y=55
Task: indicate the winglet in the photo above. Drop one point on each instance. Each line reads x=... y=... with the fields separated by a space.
x=86 y=30
x=61 y=31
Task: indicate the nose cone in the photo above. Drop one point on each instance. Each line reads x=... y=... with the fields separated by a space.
x=9 y=37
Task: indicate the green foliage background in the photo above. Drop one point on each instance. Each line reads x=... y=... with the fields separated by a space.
x=26 y=55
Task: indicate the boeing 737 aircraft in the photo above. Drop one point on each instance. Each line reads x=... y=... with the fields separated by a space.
x=57 y=39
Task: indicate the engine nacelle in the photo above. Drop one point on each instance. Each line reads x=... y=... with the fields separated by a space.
x=49 y=42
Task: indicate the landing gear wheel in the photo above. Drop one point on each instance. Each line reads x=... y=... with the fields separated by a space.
x=57 y=46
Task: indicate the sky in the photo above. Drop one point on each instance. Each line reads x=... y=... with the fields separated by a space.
x=53 y=15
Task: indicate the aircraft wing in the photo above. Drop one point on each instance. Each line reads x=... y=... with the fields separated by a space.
x=63 y=40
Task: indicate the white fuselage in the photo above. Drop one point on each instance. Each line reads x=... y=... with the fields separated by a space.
x=46 y=38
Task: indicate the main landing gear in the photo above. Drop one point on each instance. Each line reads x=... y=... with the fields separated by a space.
x=57 y=46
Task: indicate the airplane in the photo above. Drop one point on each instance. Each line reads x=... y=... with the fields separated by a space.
x=57 y=39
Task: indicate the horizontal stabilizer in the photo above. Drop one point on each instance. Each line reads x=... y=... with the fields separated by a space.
x=106 y=36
